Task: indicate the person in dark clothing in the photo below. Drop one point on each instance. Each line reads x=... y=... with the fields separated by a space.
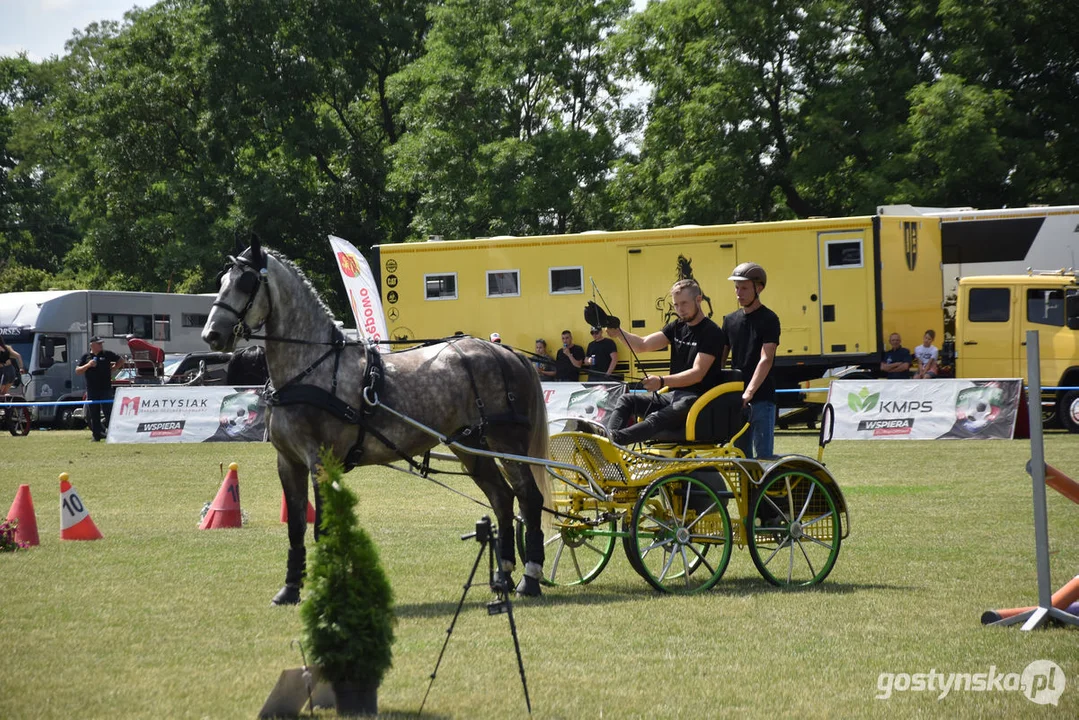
x=752 y=334
x=570 y=358
x=98 y=366
x=897 y=359
x=602 y=356
x=695 y=342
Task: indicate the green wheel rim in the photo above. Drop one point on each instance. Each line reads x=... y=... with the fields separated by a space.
x=575 y=553
x=794 y=530
x=680 y=535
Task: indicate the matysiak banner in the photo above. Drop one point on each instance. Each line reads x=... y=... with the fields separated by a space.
x=362 y=290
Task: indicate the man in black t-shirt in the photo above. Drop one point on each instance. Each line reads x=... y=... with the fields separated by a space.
x=752 y=334
x=98 y=366
x=570 y=358
x=695 y=343
x=601 y=356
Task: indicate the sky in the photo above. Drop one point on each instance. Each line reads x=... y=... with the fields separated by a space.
x=41 y=27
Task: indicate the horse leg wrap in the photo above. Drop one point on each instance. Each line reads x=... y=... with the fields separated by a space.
x=529 y=586
x=506 y=566
x=533 y=570
x=297 y=564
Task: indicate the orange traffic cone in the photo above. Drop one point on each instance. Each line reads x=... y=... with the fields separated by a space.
x=75 y=522
x=23 y=511
x=224 y=511
x=284 y=511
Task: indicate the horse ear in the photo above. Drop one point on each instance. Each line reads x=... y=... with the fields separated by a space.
x=256 y=250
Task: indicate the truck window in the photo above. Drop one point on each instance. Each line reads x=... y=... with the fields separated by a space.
x=51 y=349
x=1045 y=307
x=194 y=320
x=989 y=305
x=162 y=328
x=440 y=287
x=503 y=283
x=844 y=254
x=566 y=280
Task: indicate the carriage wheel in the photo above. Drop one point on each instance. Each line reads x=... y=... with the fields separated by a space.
x=794 y=530
x=680 y=535
x=575 y=552
x=18 y=420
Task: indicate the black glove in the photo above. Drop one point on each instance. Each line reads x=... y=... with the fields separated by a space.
x=595 y=316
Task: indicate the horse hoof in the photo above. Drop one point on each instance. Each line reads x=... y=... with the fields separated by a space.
x=529 y=587
x=288 y=595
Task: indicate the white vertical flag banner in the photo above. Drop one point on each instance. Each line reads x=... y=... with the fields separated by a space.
x=362 y=290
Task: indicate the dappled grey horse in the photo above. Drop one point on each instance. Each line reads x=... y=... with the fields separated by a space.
x=332 y=393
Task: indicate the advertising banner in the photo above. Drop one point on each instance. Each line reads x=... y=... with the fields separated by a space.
x=186 y=414
x=925 y=409
x=362 y=290
x=587 y=401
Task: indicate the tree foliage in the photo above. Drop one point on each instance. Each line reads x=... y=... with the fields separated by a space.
x=133 y=160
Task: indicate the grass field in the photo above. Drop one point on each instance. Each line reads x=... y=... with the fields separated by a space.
x=162 y=620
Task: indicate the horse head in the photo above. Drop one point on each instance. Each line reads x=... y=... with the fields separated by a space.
x=242 y=305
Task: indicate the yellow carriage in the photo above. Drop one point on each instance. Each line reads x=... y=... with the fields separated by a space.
x=679 y=505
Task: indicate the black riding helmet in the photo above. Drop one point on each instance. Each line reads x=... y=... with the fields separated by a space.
x=750 y=271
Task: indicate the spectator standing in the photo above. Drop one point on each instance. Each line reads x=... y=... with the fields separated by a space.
x=569 y=360
x=752 y=334
x=896 y=363
x=543 y=361
x=11 y=366
x=98 y=366
x=602 y=355
x=927 y=355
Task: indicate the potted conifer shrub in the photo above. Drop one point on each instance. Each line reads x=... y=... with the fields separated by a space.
x=348 y=614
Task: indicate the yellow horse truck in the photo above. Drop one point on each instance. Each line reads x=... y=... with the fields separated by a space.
x=840 y=286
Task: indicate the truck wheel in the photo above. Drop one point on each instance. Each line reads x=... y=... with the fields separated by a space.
x=1068 y=411
x=66 y=420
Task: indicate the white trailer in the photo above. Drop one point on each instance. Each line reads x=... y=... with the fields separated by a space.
x=51 y=330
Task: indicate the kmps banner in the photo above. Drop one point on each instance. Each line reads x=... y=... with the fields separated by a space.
x=362 y=290
x=586 y=401
x=185 y=414
x=925 y=409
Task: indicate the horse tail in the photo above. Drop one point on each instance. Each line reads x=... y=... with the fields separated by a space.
x=537 y=448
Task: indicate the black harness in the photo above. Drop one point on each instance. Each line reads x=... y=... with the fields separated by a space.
x=296 y=392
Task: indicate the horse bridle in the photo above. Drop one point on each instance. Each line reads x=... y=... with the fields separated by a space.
x=252 y=278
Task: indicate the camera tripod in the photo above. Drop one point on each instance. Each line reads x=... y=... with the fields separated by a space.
x=487 y=537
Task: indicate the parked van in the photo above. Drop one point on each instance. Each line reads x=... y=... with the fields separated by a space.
x=51 y=330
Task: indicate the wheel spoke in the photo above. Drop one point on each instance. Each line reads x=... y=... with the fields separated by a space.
x=780 y=547
x=822 y=544
x=812 y=572
x=772 y=503
x=704 y=560
x=666 y=566
x=576 y=565
x=790 y=497
x=817 y=519
x=809 y=496
x=790 y=569
x=557 y=558
x=700 y=515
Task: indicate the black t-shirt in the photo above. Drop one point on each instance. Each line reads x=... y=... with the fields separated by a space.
x=601 y=350
x=688 y=340
x=99 y=377
x=746 y=335
x=564 y=369
x=899 y=355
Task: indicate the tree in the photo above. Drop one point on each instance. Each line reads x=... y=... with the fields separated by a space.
x=511 y=115
x=766 y=110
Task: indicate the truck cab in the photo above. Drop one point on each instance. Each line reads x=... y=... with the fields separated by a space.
x=993 y=315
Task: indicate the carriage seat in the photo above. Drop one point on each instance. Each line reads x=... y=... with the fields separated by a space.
x=715 y=417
